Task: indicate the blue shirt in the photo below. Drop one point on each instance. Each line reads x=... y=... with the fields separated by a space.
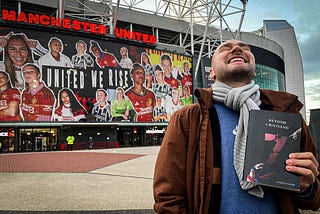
x=233 y=198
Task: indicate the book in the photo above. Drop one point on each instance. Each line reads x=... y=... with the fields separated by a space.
x=271 y=137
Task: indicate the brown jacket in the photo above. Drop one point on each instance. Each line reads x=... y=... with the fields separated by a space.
x=184 y=170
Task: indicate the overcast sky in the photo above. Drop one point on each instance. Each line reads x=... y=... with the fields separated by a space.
x=304 y=16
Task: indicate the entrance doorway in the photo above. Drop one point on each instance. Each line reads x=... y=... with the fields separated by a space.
x=38 y=139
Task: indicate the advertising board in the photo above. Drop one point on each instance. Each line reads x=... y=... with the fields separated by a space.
x=56 y=76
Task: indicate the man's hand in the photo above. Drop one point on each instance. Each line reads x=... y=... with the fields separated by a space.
x=304 y=164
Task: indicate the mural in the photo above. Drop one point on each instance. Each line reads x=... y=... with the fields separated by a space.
x=46 y=77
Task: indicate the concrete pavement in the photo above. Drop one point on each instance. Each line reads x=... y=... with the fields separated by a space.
x=124 y=187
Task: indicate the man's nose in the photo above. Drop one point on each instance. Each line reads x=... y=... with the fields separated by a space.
x=236 y=49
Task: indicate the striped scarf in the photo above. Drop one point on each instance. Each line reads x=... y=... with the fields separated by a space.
x=242 y=99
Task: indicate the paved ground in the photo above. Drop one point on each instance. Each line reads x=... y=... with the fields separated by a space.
x=79 y=182
x=87 y=181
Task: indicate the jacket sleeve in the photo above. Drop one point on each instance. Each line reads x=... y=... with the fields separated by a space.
x=312 y=202
x=169 y=183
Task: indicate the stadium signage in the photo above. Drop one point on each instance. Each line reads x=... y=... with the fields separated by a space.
x=50 y=21
x=70 y=24
x=135 y=36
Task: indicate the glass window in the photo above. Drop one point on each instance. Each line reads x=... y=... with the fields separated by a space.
x=269 y=78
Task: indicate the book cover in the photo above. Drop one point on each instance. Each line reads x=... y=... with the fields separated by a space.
x=272 y=136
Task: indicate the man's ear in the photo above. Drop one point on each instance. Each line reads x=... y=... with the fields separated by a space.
x=212 y=74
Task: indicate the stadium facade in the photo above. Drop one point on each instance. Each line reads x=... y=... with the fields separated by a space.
x=43 y=120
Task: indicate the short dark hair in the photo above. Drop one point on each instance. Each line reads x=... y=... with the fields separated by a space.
x=157 y=67
x=136 y=66
x=165 y=57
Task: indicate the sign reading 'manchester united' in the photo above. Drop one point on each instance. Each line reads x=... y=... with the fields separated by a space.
x=70 y=24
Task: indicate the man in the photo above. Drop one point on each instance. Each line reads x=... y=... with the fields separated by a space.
x=9 y=99
x=166 y=64
x=103 y=59
x=159 y=111
x=82 y=59
x=101 y=110
x=195 y=171
x=186 y=78
x=70 y=139
x=125 y=61
x=55 y=57
x=161 y=88
x=37 y=100
x=142 y=99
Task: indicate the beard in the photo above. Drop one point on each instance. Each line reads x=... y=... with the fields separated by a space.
x=239 y=75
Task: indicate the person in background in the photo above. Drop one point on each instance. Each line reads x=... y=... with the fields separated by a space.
x=166 y=64
x=90 y=143
x=55 y=57
x=173 y=103
x=159 y=111
x=161 y=88
x=103 y=59
x=186 y=77
x=16 y=54
x=101 y=109
x=146 y=63
x=186 y=99
x=125 y=61
x=199 y=168
x=37 y=100
x=9 y=99
x=82 y=59
x=143 y=99
x=121 y=107
x=69 y=108
x=70 y=140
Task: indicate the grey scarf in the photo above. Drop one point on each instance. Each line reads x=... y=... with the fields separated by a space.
x=242 y=99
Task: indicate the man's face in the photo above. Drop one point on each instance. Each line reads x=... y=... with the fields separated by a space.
x=186 y=68
x=233 y=61
x=138 y=76
x=55 y=46
x=95 y=51
x=175 y=94
x=101 y=97
x=3 y=80
x=159 y=76
x=123 y=52
x=80 y=48
x=18 y=52
x=159 y=101
x=30 y=74
x=166 y=65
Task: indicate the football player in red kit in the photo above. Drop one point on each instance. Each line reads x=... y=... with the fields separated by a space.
x=37 y=100
x=9 y=99
x=142 y=99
